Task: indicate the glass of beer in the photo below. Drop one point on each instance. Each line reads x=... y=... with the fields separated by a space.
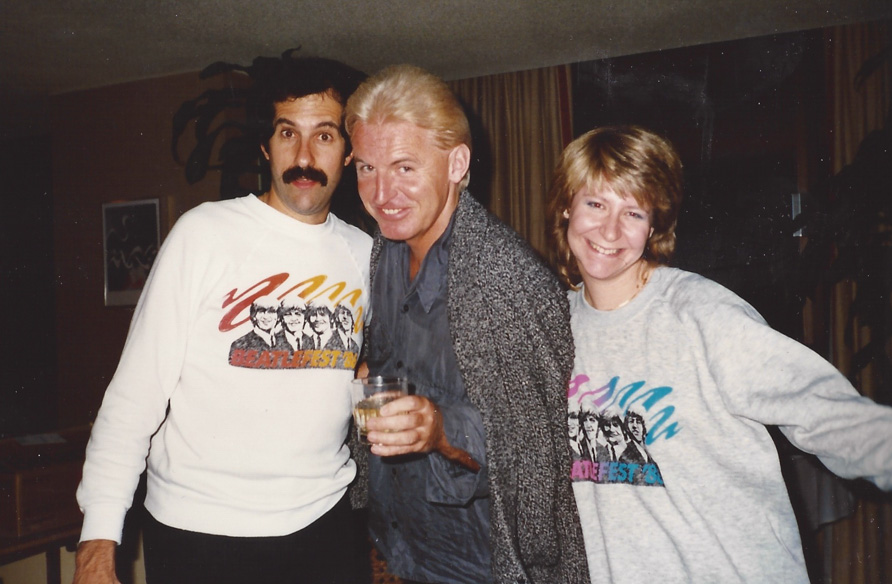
x=369 y=394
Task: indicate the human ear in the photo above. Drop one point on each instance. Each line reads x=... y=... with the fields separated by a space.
x=459 y=162
x=566 y=215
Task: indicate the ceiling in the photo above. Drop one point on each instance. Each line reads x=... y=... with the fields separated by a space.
x=56 y=46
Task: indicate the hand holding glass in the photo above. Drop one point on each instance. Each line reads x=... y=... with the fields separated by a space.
x=369 y=394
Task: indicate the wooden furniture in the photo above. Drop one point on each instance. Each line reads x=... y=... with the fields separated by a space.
x=50 y=542
x=38 y=477
x=38 y=512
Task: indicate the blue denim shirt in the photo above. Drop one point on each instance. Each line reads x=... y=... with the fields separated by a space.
x=428 y=516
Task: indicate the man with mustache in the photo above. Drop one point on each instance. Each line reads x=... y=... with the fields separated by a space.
x=245 y=450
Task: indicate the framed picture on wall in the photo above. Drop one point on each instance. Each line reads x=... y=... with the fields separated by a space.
x=131 y=238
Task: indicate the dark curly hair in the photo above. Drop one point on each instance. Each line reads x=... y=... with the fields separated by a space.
x=295 y=77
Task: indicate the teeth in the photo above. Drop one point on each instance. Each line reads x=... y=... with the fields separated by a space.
x=390 y=211
x=603 y=250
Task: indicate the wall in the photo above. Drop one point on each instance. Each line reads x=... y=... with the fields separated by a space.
x=108 y=144
x=28 y=373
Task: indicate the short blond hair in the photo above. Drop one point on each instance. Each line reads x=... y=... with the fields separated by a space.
x=406 y=93
x=630 y=160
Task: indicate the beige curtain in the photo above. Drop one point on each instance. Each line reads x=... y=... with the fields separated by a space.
x=525 y=117
x=857 y=549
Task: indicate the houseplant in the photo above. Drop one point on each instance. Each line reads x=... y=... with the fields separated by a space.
x=848 y=224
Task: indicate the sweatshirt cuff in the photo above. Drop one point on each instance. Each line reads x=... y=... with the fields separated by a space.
x=103 y=522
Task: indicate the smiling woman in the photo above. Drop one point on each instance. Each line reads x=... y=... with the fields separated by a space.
x=681 y=503
x=614 y=205
x=607 y=234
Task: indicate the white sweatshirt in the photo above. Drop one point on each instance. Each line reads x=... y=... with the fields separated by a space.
x=702 y=498
x=253 y=443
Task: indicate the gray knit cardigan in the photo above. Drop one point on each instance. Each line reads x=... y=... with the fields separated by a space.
x=510 y=326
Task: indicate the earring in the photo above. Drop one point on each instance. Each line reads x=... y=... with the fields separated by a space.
x=566 y=214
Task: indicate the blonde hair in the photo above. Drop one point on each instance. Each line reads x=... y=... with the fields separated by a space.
x=405 y=93
x=631 y=161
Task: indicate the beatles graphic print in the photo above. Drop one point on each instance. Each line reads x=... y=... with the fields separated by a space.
x=611 y=427
x=313 y=324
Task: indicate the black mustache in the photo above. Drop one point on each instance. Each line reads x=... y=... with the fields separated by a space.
x=309 y=173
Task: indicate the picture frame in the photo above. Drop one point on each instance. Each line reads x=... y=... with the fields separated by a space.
x=131 y=238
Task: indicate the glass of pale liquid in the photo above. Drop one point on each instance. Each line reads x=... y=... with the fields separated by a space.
x=369 y=394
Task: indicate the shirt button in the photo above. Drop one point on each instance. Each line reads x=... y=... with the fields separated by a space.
x=405 y=308
x=394 y=524
x=399 y=364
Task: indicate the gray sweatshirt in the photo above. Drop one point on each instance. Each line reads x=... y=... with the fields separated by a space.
x=695 y=492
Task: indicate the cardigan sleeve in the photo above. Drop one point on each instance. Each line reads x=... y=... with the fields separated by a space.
x=510 y=321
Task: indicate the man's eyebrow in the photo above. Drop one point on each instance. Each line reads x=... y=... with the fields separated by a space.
x=322 y=124
x=408 y=159
x=404 y=160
